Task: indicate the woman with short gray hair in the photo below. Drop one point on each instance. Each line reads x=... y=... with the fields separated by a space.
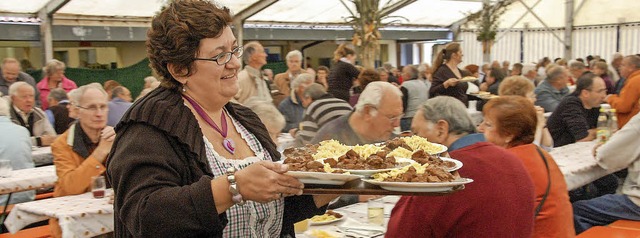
x=444 y=120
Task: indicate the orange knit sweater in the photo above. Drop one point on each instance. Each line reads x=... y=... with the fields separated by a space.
x=626 y=104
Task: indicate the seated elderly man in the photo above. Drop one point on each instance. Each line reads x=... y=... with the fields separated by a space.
x=291 y=107
x=620 y=152
x=294 y=65
x=15 y=146
x=627 y=104
x=80 y=152
x=251 y=82
x=474 y=211
x=321 y=108
x=25 y=114
x=576 y=117
x=377 y=114
x=550 y=92
x=11 y=73
x=119 y=104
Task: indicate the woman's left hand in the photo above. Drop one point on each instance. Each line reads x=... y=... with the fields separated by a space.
x=265 y=181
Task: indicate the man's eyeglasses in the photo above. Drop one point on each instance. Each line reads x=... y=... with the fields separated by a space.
x=392 y=119
x=225 y=57
x=94 y=108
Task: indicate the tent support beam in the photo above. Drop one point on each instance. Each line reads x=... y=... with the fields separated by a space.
x=542 y=22
x=568 y=29
x=46 y=36
x=579 y=8
x=396 y=6
x=516 y=22
x=22 y=15
x=239 y=19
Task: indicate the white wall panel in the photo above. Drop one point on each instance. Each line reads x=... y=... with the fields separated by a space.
x=630 y=39
x=507 y=48
x=541 y=43
x=597 y=40
x=471 y=48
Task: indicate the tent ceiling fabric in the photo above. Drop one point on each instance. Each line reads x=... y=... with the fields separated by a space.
x=421 y=13
x=552 y=12
x=439 y=13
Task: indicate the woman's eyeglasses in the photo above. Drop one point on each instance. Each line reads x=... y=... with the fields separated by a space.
x=225 y=57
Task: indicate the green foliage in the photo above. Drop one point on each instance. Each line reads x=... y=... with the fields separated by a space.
x=488 y=19
x=130 y=77
x=276 y=67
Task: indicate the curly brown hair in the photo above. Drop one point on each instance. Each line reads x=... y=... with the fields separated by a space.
x=515 y=116
x=367 y=76
x=175 y=34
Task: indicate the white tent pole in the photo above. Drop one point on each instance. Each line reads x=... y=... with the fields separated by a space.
x=240 y=17
x=579 y=8
x=46 y=17
x=568 y=29
x=46 y=38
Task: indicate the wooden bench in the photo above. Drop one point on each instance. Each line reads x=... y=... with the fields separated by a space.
x=35 y=232
x=626 y=224
x=9 y=207
x=44 y=196
x=609 y=232
x=38 y=197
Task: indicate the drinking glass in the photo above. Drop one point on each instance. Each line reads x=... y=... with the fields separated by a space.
x=375 y=211
x=5 y=168
x=98 y=186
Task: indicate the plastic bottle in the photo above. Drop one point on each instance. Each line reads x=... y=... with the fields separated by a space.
x=613 y=121
x=603 y=131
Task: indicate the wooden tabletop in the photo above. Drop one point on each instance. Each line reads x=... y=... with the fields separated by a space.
x=360 y=187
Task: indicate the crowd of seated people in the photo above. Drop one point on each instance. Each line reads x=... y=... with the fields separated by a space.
x=541 y=105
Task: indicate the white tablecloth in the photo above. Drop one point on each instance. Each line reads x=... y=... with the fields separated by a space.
x=577 y=164
x=79 y=215
x=42 y=155
x=28 y=179
x=357 y=212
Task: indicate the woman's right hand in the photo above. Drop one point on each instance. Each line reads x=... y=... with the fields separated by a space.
x=265 y=181
x=542 y=121
x=452 y=82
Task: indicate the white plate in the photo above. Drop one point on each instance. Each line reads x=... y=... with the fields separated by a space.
x=443 y=149
x=322 y=178
x=309 y=233
x=367 y=172
x=468 y=79
x=419 y=187
x=313 y=223
x=455 y=161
